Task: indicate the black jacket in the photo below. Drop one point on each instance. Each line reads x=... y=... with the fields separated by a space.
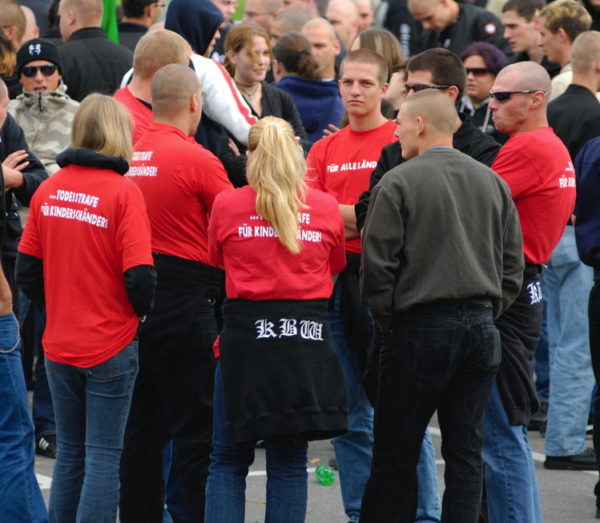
x=575 y=117
x=12 y=139
x=468 y=139
x=140 y=281
x=274 y=102
x=474 y=24
x=92 y=63
x=130 y=34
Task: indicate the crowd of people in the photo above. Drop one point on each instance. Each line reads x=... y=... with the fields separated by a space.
x=330 y=220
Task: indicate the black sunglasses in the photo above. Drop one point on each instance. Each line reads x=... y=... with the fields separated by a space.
x=478 y=71
x=504 y=96
x=421 y=87
x=31 y=70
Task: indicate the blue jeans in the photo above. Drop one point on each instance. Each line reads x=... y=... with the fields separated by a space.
x=511 y=484
x=354 y=449
x=229 y=464
x=565 y=283
x=91 y=407
x=442 y=358
x=22 y=500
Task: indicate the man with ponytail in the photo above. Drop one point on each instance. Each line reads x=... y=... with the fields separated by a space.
x=172 y=399
x=278 y=378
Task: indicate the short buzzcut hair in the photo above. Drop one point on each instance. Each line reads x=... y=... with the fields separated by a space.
x=568 y=15
x=159 y=48
x=172 y=87
x=446 y=68
x=524 y=8
x=586 y=51
x=135 y=8
x=367 y=56
x=11 y=15
x=434 y=107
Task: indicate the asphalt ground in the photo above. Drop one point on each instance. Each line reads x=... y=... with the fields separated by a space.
x=567 y=496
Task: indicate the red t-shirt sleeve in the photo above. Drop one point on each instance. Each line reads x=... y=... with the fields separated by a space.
x=314 y=167
x=30 y=240
x=213 y=179
x=516 y=169
x=215 y=252
x=133 y=232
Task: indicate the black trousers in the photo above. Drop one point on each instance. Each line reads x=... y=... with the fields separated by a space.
x=594 y=325
x=170 y=403
x=441 y=358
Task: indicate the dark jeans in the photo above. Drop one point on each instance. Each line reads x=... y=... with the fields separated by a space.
x=170 y=404
x=440 y=358
x=594 y=323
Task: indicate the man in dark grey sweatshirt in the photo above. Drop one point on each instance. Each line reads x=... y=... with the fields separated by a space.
x=442 y=257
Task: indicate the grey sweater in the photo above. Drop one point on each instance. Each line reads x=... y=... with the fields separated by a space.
x=440 y=227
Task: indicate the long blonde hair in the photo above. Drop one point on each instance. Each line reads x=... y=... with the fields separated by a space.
x=275 y=171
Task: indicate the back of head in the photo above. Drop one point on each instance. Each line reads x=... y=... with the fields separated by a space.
x=568 y=15
x=195 y=20
x=435 y=108
x=275 y=171
x=527 y=76
x=103 y=125
x=318 y=24
x=367 y=56
x=385 y=44
x=291 y=20
x=89 y=12
x=241 y=36
x=294 y=52
x=12 y=19
x=586 y=51
x=524 y=8
x=135 y=8
x=495 y=60
x=159 y=48
x=446 y=68
x=172 y=88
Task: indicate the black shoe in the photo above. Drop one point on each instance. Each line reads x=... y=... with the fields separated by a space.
x=333 y=463
x=46 y=446
x=538 y=420
x=583 y=461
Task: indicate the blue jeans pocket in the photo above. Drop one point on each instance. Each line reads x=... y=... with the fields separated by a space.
x=9 y=333
x=121 y=363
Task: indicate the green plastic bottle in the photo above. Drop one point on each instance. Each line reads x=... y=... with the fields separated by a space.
x=325 y=475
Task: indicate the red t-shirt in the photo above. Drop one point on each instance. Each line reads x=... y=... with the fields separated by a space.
x=141 y=115
x=341 y=164
x=258 y=266
x=88 y=226
x=538 y=169
x=179 y=180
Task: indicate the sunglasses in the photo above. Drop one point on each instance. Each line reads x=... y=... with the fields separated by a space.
x=504 y=96
x=478 y=71
x=31 y=70
x=421 y=87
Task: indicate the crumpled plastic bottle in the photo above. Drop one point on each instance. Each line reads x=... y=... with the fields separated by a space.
x=325 y=475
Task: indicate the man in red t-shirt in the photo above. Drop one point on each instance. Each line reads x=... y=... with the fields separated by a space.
x=154 y=50
x=172 y=399
x=341 y=165
x=537 y=167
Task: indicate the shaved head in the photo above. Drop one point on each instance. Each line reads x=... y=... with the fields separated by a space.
x=158 y=48
x=319 y=24
x=527 y=76
x=31 y=28
x=13 y=21
x=89 y=12
x=172 y=88
x=434 y=107
x=585 y=51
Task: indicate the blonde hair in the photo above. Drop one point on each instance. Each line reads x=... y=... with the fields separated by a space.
x=569 y=15
x=103 y=125
x=275 y=171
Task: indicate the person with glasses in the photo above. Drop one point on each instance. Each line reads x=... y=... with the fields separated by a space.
x=482 y=62
x=138 y=16
x=538 y=169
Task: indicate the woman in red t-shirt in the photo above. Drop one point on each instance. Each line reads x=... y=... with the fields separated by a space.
x=278 y=377
x=86 y=253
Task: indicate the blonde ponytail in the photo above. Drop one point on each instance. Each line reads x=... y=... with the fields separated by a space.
x=275 y=171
